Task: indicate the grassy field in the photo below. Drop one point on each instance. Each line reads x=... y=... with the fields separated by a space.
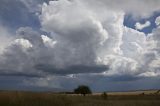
x=8 y=98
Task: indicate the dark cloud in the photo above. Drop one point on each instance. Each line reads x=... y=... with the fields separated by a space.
x=123 y=78
x=19 y=74
x=77 y=69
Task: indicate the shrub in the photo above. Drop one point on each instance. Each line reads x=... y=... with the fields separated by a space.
x=104 y=95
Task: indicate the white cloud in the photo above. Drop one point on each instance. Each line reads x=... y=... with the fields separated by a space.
x=133 y=43
x=23 y=43
x=157 y=21
x=84 y=31
x=149 y=74
x=124 y=44
x=48 y=41
x=119 y=65
x=140 y=26
x=150 y=58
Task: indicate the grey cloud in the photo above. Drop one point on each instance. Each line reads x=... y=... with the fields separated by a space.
x=18 y=60
x=79 y=69
x=31 y=35
x=19 y=74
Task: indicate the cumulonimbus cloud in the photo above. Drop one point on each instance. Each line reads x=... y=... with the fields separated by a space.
x=85 y=37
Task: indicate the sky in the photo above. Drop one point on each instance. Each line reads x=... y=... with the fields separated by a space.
x=56 y=45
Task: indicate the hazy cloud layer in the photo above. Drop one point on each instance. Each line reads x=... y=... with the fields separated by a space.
x=5 y=37
x=138 y=8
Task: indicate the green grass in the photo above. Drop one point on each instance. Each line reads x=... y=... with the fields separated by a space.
x=51 y=99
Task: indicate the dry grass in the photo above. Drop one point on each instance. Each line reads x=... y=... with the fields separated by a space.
x=133 y=92
x=50 y=99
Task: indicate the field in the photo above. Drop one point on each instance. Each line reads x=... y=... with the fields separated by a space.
x=138 y=98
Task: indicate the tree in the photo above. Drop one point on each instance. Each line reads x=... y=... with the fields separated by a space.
x=82 y=89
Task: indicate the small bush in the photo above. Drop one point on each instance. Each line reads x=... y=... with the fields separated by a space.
x=104 y=95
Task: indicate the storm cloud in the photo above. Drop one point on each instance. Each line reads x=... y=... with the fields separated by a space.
x=79 y=39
